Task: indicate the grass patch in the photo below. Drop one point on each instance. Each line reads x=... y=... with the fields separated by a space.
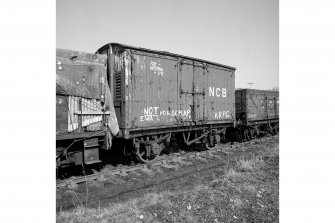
x=245 y=192
x=250 y=165
x=130 y=211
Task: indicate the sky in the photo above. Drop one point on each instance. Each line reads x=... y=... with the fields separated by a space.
x=239 y=33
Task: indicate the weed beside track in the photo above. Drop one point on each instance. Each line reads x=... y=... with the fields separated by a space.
x=233 y=185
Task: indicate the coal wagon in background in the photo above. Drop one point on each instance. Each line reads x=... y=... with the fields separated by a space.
x=257 y=112
x=158 y=95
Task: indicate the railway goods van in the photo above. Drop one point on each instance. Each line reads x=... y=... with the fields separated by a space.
x=157 y=93
x=258 y=109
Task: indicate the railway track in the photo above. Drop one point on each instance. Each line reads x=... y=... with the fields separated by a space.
x=222 y=154
x=162 y=161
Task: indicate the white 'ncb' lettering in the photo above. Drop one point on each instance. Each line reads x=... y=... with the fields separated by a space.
x=218 y=92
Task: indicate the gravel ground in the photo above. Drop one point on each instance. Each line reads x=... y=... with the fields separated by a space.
x=247 y=191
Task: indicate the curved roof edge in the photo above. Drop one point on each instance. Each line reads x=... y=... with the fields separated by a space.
x=163 y=53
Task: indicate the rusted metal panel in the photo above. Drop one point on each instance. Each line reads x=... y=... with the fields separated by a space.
x=220 y=95
x=79 y=73
x=61 y=114
x=173 y=92
x=160 y=90
x=91 y=151
x=151 y=92
x=256 y=105
x=82 y=78
x=200 y=78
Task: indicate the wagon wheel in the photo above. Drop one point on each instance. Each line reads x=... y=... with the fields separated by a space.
x=276 y=129
x=206 y=145
x=269 y=129
x=148 y=153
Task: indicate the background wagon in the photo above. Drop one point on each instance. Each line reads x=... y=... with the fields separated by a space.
x=258 y=109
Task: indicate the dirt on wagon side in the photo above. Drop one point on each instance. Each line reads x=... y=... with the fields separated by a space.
x=247 y=191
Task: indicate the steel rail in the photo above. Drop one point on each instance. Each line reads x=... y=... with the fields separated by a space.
x=160 y=161
x=226 y=161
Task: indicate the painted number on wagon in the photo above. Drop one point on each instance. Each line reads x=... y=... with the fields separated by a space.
x=217 y=92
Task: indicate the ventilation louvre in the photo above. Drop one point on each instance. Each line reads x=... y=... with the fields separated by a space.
x=118 y=89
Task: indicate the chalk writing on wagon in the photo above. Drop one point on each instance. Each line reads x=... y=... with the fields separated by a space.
x=217 y=92
x=154 y=66
x=155 y=114
x=252 y=115
x=221 y=115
